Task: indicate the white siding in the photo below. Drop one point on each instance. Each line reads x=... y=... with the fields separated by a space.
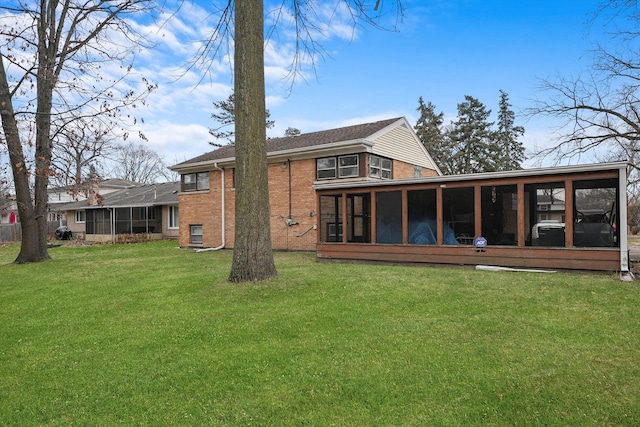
x=400 y=143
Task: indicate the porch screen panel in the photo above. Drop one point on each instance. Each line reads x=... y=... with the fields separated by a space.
x=546 y=214
x=89 y=224
x=146 y=219
x=154 y=214
x=98 y=221
x=330 y=219
x=596 y=213
x=422 y=214
x=389 y=217
x=459 y=214
x=500 y=214
x=123 y=221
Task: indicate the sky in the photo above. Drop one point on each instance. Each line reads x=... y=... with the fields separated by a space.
x=441 y=51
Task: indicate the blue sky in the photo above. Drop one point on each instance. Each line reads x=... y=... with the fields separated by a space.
x=442 y=51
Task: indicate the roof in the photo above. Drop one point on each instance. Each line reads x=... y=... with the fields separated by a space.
x=302 y=142
x=443 y=180
x=165 y=193
x=113 y=183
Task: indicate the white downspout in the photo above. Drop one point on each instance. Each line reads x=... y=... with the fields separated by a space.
x=222 y=216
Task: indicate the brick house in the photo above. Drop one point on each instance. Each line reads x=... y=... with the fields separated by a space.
x=384 y=150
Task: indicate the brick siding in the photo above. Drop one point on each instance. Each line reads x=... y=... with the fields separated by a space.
x=289 y=198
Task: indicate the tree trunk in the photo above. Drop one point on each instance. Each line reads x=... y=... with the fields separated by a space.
x=34 y=242
x=252 y=255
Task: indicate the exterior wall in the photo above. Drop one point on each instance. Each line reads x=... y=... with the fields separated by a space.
x=77 y=228
x=405 y=170
x=201 y=208
x=401 y=143
x=293 y=204
x=293 y=199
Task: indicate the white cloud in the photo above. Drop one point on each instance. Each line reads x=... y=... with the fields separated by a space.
x=176 y=142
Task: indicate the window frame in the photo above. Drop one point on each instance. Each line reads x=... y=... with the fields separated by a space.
x=197 y=241
x=195 y=181
x=379 y=170
x=77 y=217
x=173 y=221
x=353 y=167
x=325 y=169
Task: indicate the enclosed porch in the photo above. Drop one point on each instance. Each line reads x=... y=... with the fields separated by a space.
x=570 y=217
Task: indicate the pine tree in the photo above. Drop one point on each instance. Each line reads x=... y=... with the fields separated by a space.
x=473 y=149
x=429 y=130
x=507 y=135
x=225 y=115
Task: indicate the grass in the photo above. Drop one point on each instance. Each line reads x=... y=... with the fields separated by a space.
x=147 y=334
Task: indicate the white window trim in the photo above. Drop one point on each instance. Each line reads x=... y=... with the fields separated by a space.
x=191 y=234
x=171 y=219
x=343 y=168
x=333 y=168
x=76 y=216
x=379 y=171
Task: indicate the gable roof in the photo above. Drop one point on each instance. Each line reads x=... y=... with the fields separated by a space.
x=288 y=146
x=165 y=193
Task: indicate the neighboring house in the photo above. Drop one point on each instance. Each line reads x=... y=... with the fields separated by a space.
x=57 y=197
x=380 y=151
x=150 y=209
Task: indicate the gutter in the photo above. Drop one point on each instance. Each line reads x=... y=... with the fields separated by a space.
x=222 y=216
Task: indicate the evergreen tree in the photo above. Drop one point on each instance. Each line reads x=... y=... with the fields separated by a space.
x=473 y=148
x=292 y=132
x=507 y=135
x=429 y=130
x=226 y=117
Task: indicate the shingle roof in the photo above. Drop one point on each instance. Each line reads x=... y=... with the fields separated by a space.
x=165 y=193
x=305 y=140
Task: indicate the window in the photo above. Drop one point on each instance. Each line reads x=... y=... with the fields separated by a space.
x=195 y=234
x=379 y=167
x=348 y=166
x=195 y=181
x=173 y=217
x=326 y=168
x=81 y=216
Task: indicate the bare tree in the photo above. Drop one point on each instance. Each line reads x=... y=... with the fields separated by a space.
x=599 y=112
x=252 y=255
x=78 y=148
x=51 y=73
x=138 y=163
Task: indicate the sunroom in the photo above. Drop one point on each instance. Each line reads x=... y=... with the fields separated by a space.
x=570 y=217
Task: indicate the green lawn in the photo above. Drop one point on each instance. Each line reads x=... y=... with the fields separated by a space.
x=148 y=334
